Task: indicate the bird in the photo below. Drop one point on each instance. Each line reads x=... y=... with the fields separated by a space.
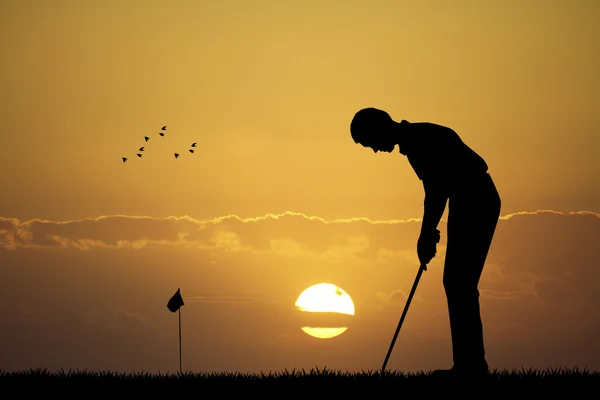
x=176 y=155
x=141 y=149
x=161 y=134
x=139 y=155
x=146 y=138
x=194 y=144
x=164 y=128
x=124 y=159
x=191 y=150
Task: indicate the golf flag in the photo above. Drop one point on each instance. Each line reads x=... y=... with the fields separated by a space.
x=175 y=302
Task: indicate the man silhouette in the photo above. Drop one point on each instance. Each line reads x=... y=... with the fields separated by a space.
x=453 y=174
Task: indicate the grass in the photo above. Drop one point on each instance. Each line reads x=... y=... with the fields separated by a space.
x=290 y=382
x=315 y=375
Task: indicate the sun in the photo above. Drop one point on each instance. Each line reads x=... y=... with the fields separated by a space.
x=323 y=333
x=325 y=298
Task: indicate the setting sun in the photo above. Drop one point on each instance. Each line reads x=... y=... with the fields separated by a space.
x=325 y=298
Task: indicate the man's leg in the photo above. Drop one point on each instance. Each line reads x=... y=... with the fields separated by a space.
x=470 y=233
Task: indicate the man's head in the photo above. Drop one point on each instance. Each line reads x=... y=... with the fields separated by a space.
x=374 y=128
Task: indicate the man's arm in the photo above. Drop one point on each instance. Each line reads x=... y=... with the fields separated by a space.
x=435 y=204
x=435 y=201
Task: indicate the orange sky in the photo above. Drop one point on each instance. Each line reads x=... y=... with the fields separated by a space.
x=267 y=89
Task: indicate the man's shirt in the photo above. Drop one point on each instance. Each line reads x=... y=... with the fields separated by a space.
x=439 y=157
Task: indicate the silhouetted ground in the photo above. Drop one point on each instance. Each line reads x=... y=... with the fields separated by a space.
x=314 y=383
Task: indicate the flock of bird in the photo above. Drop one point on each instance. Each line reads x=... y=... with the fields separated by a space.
x=162 y=134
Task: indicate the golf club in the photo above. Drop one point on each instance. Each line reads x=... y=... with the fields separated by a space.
x=422 y=268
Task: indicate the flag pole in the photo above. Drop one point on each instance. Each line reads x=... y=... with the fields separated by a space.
x=180 y=340
x=174 y=304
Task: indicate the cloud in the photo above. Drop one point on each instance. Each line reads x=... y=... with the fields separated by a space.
x=217 y=299
x=545 y=255
x=229 y=231
x=108 y=279
x=541 y=246
x=288 y=233
x=395 y=296
x=550 y=255
x=508 y=295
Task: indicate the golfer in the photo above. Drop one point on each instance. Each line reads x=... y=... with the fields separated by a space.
x=453 y=174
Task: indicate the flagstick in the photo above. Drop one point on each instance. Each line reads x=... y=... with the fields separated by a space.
x=180 y=340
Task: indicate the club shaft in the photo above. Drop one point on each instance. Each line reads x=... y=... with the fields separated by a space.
x=408 y=300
